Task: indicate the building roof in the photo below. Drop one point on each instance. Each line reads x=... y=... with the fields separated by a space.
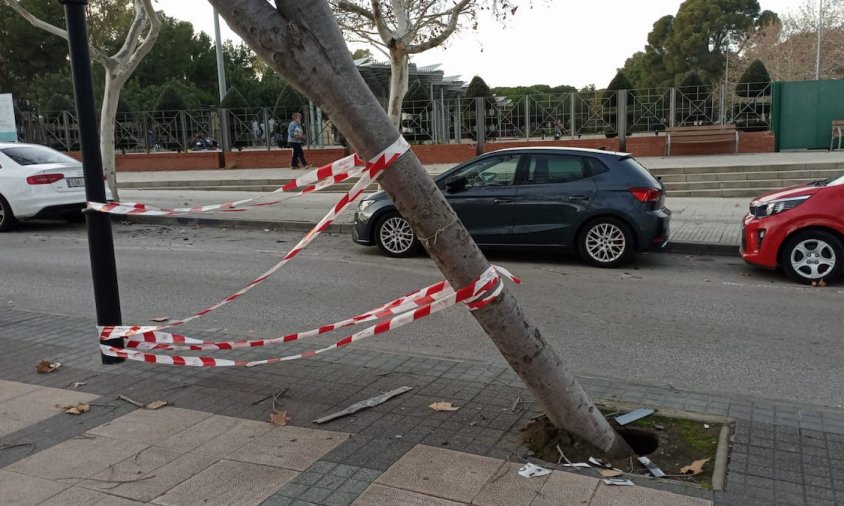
x=377 y=77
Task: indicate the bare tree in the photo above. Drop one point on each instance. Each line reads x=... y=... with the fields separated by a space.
x=118 y=68
x=302 y=42
x=400 y=28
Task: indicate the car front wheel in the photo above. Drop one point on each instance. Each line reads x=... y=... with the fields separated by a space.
x=811 y=256
x=7 y=219
x=605 y=242
x=395 y=237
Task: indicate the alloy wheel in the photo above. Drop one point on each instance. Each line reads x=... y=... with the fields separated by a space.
x=813 y=258
x=605 y=242
x=396 y=236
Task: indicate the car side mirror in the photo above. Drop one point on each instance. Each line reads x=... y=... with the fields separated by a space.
x=456 y=184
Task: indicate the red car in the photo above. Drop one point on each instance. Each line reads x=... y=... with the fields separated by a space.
x=800 y=228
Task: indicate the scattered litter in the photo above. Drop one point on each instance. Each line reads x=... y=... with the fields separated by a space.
x=443 y=406
x=45 y=366
x=517 y=405
x=610 y=473
x=694 y=468
x=368 y=403
x=159 y=319
x=658 y=426
x=621 y=482
x=706 y=426
x=578 y=465
x=633 y=416
x=819 y=284
x=651 y=467
x=75 y=410
x=151 y=405
x=599 y=463
x=280 y=418
x=532 y=470
x=77 y=384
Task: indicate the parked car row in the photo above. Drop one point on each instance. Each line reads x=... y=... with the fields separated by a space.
x=605 y=206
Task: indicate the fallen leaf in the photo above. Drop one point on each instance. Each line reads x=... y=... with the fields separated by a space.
x=75 y=410
x=160 y=319
x=694 y=468
x=443 y=406
x=610 y=473
x=77 y=384
x=821 y=283
x=45 y=366
x=280 y=418
x=155 y=405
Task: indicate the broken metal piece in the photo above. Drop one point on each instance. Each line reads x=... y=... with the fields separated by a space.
x=618 y=481
x=651 y=467
x=577 y=465
x=633 y=416
x=532 y=470
x=368 y=403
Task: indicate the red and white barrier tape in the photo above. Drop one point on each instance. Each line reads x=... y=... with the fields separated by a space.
x=373 y=169
x=164 y=341
x=476 y=295
x=312 y=181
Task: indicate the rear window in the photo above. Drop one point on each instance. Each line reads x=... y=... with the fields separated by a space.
x=632 y=165
x=36 y=155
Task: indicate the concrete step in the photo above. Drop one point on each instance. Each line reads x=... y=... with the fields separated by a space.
x=722 y=193
x=735 y=185
x=747 y=168
x=811 y=175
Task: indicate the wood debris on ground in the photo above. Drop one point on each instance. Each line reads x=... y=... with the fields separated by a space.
x=443 y=406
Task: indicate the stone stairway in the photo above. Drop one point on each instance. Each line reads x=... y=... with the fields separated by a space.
x=741 y=181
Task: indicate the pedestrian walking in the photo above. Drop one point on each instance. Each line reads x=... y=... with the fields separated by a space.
x=295 y=138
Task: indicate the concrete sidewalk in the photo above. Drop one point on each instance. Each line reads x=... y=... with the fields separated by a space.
x=212 y=444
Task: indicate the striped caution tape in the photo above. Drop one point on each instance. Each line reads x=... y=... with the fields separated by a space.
x=164 y=341
x=373 y=169
x=319 y=179
x=478 y=294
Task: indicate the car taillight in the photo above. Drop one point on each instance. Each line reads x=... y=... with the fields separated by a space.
x=44 y=178
x=646 y=194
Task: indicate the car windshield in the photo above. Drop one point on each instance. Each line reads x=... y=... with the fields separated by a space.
x=36 y=155
x=838 y=181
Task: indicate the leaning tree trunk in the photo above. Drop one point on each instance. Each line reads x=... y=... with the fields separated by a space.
x=398 y=84
x=301 y=41
x=108 y=121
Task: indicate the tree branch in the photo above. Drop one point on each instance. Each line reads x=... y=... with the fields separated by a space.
x=355 y=9
x=149 y=39
x=446 y=33
x=134 y=33
x=387 y=35
x=96 y=54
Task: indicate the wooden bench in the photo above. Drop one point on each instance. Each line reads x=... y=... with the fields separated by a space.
x=698 y=134
x=837 y=131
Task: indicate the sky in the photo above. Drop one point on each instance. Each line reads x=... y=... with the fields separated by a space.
x=573 y=42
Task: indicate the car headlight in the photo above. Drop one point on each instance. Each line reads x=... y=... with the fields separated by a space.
x=363 y=204
x=777 y=206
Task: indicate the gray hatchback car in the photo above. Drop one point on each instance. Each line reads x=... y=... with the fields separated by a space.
x=603 y=205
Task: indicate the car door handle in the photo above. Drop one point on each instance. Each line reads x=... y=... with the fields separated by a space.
x=578 y=197
x=502 y=201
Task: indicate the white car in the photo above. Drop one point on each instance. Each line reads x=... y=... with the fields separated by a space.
x=39 y=182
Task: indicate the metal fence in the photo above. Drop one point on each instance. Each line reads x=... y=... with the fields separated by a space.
x=568 y=115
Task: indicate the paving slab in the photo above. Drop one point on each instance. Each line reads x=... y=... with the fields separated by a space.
x=381 y=495
x=446 y=473
x=506 y=486
x=12 y=389
x=611 y=495
x=20 y=489
x=77 y=496
x=289 y=447
x=41 y=404
x=151 y=426
x=218 y=435
x=228 y=482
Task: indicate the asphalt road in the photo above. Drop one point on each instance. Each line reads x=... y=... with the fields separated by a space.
x=707 y=324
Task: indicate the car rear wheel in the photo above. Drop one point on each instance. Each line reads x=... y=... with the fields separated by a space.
x=395 y=237
x=7 y=218
x=605 y=242
x=811 y=256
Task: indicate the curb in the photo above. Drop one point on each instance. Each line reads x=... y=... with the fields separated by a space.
x=688 y=248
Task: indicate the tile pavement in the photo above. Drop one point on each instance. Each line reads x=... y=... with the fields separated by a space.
x=781 y=452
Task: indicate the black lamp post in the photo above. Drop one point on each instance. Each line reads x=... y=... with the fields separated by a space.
x=100 y=241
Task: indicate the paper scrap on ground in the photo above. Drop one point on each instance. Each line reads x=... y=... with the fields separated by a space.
x=651 y=467
x=618 y=482
x=694 y=468
x=577 y=465
x=443 y=406
x=280 y=418
x=532 y=470
x=45 y=366
x=75 y=410
x=610 y=473
x=633 y=416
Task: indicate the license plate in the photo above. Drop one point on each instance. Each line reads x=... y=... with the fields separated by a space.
x=75 y=182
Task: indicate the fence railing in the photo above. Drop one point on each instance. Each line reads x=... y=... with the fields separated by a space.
x=566 y=115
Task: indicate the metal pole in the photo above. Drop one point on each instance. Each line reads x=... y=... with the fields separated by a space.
x=527 y=117
x=572 y=99
x=221 y=84
x=100 y=240
x=820 y=28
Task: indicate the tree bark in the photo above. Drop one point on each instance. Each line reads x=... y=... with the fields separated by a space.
x=399 y=61
x=108 y=114
x=301 y=41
